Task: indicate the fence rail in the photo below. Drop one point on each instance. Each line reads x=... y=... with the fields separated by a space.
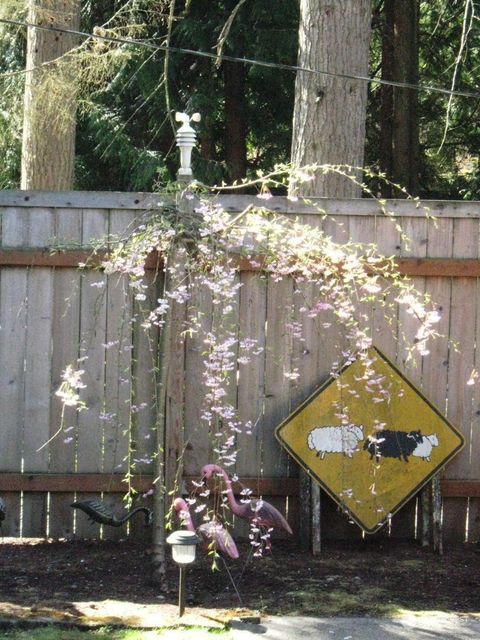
x=52 y=313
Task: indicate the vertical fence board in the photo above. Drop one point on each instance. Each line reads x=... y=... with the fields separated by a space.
x=118 y=363
x=305 y=511
x=474 y=453
x=65 y=333
x=144 y=393
x=92 y=353
x=13 y=321
x=175 y=401
x=251 y=380
x=278 y=362
x=414 y=243
x=435 y=364
x=461 y=362
x=306 y=359
x=38 y=372
x=251 y=374
x=197 y=439
x=118 y=366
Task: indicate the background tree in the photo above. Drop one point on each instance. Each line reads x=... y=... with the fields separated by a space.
x=329 y=123
x=48 y=150
x=399 y=143
x=330 y=112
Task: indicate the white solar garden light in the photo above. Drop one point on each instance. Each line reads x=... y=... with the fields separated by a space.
x=183 y=545
x=186 y=138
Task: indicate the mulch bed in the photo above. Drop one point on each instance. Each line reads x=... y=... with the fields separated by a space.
x=111 y=582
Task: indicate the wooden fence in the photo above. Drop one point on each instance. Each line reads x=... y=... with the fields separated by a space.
x=52 y=314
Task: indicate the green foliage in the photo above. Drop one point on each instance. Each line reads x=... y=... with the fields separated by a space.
x=453 y=171
x=10 y=133
x=197 y=84
x=450 y=171
x=121 y=143
x=125 y=138
x=107 y=158
x=11 y=101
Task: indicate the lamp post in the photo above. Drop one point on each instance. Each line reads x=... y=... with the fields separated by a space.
x=183 y=545
x=186 y=138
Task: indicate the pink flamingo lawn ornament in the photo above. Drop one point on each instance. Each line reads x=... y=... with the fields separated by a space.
x=260 y=511
x=208 y=532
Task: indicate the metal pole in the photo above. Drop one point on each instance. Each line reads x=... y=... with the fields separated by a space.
x=181 y=592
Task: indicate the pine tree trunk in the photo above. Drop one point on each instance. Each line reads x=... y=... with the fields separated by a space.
x=48 y=150
x=405 y=117
x=329 y=113
x=235 y=121
x=386 y=98
x=329 y=128
x=399 y=144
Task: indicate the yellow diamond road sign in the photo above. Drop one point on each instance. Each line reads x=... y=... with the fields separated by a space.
x=370 y=438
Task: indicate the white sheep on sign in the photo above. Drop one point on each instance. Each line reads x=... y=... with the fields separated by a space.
x=342 y=439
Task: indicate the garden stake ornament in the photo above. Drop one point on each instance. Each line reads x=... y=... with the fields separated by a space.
x=186 y=138
x=98 y=512
x=183 y=545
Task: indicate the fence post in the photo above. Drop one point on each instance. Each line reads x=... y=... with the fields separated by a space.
x=186 y=140
x=437 y=515
x=170 y=431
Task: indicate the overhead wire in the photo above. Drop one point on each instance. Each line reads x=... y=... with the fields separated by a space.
x=242 y=60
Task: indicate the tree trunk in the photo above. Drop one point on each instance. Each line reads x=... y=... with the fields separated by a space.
x=386 y=98
x=329 y=114
x=329 y=128
x=235 y=121
x=399 y=145
x=405 y=117
x=48 y=150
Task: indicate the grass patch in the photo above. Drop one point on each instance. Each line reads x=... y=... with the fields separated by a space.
x=339 y=602
x=58 y=633
x=412 y=564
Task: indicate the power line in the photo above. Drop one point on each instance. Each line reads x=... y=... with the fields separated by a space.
x=250 y=61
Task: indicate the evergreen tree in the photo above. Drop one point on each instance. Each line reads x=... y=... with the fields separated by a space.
x=330 y=112
x=48 y=150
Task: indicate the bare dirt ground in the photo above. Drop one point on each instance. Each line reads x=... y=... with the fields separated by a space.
x=111 y=582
